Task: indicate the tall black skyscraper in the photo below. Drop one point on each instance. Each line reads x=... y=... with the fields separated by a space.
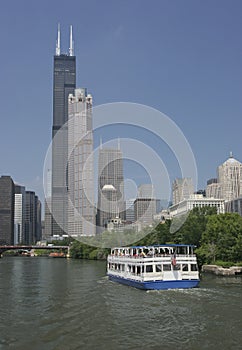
x=7 y=192
x=64 y=84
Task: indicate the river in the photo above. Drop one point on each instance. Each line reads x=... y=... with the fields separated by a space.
x=66 y=304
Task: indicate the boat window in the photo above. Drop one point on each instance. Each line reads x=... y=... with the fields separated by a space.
x=133 y=268
x=176 y=267
x=184 y=267
x=158 y=268
x=142 y=268
x=166 y=267
x=122 y=267
x=193 y=267
x=149 y=268
x=138 y=270
x=129 y=268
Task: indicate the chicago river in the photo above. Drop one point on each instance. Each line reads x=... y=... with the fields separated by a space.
x=67 y=304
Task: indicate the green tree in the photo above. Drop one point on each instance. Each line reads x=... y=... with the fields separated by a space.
x=194 y=226
x=222 y=239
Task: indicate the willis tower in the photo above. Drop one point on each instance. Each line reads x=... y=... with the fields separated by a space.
x=64 y=83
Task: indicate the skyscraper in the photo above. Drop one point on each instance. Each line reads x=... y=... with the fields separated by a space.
x=48 y=216
x=146 y=191
x=81 y=218
x=213 y=189
x=7 y=191
x=64 y=83
x=110 y=186
x=129 y=210
x=230 y=178
x=145 y=204
x=182 y=189
x=19 y=214
x=32 y=218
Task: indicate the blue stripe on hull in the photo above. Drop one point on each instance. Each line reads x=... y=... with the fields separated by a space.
x=156 y=285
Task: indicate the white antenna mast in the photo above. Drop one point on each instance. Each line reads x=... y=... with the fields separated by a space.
x=71 y=49
x=57 y=50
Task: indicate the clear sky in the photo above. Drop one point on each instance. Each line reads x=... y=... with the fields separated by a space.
x=183 y=58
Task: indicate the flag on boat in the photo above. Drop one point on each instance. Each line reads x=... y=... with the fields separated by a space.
x=173 y=259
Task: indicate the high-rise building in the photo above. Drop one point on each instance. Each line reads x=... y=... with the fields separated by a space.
x=30 y=218
x=182 y=189
x=48 y=217
x=230 y=178
x=213 y=189
x=145 y=204
x=129 y=210
x=81 y=217
x=110 y=186
x=146 y=191
x=7 y=192
x=144 y=210
x=38 y=222
x=32 y=232
x=19 y=214
x=64 y=83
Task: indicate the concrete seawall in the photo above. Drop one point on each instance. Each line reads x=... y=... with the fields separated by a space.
x=221 y=271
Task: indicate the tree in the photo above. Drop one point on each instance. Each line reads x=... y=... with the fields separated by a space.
x=222 y=238
x=194 y=226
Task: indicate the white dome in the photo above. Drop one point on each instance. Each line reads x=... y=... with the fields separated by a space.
x=108 y=188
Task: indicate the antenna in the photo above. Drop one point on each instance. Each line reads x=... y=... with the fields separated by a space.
x=57 y=50
x=71 y=49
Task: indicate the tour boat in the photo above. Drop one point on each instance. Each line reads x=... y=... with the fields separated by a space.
x=57 y=255
x=167 y=266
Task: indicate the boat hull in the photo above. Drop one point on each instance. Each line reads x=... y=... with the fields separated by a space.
x=156 y=285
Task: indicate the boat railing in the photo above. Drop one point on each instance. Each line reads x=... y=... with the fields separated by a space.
x=138 y=256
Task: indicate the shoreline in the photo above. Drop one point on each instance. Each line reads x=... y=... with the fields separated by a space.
x=222 y=271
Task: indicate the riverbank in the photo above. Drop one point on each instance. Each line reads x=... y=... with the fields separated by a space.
x=221 y=271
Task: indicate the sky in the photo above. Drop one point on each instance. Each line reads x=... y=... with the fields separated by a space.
x=183 y=58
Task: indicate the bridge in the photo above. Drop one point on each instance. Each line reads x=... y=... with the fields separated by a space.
x=4 y=248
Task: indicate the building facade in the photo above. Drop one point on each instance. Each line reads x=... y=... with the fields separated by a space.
x=181 y=189
x=47 y=233
x=196 y=200
x=144 y=210
x=230 y=178
x=146 y=191
x=129 y=213
x=64 y=83
x=111 y=203
x=81 y=217
x=213 y=189
x=234 y=206
x=19 y=214
x=33 y=226
x=7 y=192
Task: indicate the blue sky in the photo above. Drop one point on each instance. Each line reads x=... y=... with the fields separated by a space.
x=183 y=58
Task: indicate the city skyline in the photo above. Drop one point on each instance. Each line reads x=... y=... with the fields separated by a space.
x=189 y=69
